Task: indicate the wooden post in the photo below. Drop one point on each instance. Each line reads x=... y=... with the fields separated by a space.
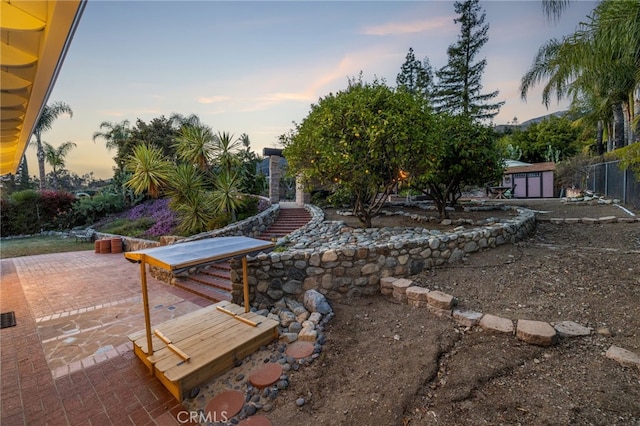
x=145 y=300
x=245 y=283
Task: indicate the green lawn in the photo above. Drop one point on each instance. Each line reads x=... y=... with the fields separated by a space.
x=30 y=246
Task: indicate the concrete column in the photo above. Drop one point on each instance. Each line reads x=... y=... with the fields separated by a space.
x=301 y=197
x=274 y=178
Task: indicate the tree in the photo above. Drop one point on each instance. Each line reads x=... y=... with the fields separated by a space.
x=49 y=114
x=195 y=145
x=227 y=196
x=160 y=132
x=151 y=171
x=468 y=156
x=416 y=77
x=597 y=67
x=189 y=199
x=458 y=88
x=359 y=140
x=56 y=158
x=251 y=181
x=116 y=136
x=225 y=149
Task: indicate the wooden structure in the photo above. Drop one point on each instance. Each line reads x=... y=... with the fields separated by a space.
x=531 y=180
x=199 y=345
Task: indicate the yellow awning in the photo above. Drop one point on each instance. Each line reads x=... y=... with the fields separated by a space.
x=34 y=38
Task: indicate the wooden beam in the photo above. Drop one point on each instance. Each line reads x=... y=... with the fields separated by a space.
x=171 y=346
x=236 y=316
x=245 y=283
x=145 y=299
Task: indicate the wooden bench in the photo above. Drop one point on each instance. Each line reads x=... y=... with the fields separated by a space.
x=214 y=342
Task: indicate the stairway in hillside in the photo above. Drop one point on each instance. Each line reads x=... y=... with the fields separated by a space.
x=214 y=281
x=288 y=220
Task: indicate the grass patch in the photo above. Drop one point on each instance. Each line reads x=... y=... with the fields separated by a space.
x=30 y=246
x=131 y=228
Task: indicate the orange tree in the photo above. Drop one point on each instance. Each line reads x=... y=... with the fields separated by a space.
x=359 y=140
x=468 y=155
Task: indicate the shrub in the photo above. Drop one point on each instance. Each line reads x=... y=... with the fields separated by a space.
x=132 y=228
x=249 y=208
x=89 y=210
x=30 y=212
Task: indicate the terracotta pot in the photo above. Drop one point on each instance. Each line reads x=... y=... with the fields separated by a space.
x=116 y=245
x=105 y=246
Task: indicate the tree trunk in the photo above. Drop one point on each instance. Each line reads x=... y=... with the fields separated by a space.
x=618 y=126
x=40 y=153
x=599 y=144
x=626 y=111
x=635 y=126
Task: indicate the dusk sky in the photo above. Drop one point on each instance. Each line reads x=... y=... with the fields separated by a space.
x=255 y=67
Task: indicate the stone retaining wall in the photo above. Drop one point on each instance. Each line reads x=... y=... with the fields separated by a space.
x=340 y=261
x=251 y=227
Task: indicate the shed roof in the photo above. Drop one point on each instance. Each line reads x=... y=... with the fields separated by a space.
x=536 y=167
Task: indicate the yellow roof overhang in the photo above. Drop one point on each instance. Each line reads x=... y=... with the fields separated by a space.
x=34 y=38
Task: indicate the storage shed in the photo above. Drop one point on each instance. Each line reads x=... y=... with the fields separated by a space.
x=531 y=181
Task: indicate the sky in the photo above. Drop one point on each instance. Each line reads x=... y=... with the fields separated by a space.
x=256 y=67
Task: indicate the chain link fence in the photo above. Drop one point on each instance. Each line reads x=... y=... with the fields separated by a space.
x=609 y=180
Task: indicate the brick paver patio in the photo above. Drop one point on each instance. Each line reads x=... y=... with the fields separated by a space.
x=68 y=360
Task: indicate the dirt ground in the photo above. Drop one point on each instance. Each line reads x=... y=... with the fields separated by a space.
x=386 y=363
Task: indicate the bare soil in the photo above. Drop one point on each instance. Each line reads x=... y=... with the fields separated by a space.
x=386 y=363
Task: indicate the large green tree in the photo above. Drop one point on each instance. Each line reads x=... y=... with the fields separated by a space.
x=458 y=89
x=416 y=76
x=49 y=114
x=468 y=156
x=361 y=141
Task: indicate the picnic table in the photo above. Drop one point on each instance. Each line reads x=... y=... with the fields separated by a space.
x=499 y=192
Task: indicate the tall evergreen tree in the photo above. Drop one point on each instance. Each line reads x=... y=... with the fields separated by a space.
x=458 y=87
x=416 y=76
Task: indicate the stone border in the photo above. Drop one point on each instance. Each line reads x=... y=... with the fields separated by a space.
x=589 y=220
x=340 y=261
x=538 y=333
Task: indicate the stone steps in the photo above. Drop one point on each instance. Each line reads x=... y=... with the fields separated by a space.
x=214 y=281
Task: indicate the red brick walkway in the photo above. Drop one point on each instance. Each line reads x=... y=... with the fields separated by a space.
x=117 y=391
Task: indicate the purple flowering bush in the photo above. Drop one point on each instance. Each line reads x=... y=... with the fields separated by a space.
x=150 y=219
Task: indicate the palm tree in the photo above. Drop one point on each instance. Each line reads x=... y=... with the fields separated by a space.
x=195 y=213
x=598 y=61
x=49 y=114
x=56 y=157
x=225 y=150
x=554 y=8
x=151 y=171
x=227 y=196
x=116 y=136
x=195 y=145
x=186 y=182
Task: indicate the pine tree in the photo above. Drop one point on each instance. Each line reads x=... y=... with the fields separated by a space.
x=416 y=77
x=458 y=88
